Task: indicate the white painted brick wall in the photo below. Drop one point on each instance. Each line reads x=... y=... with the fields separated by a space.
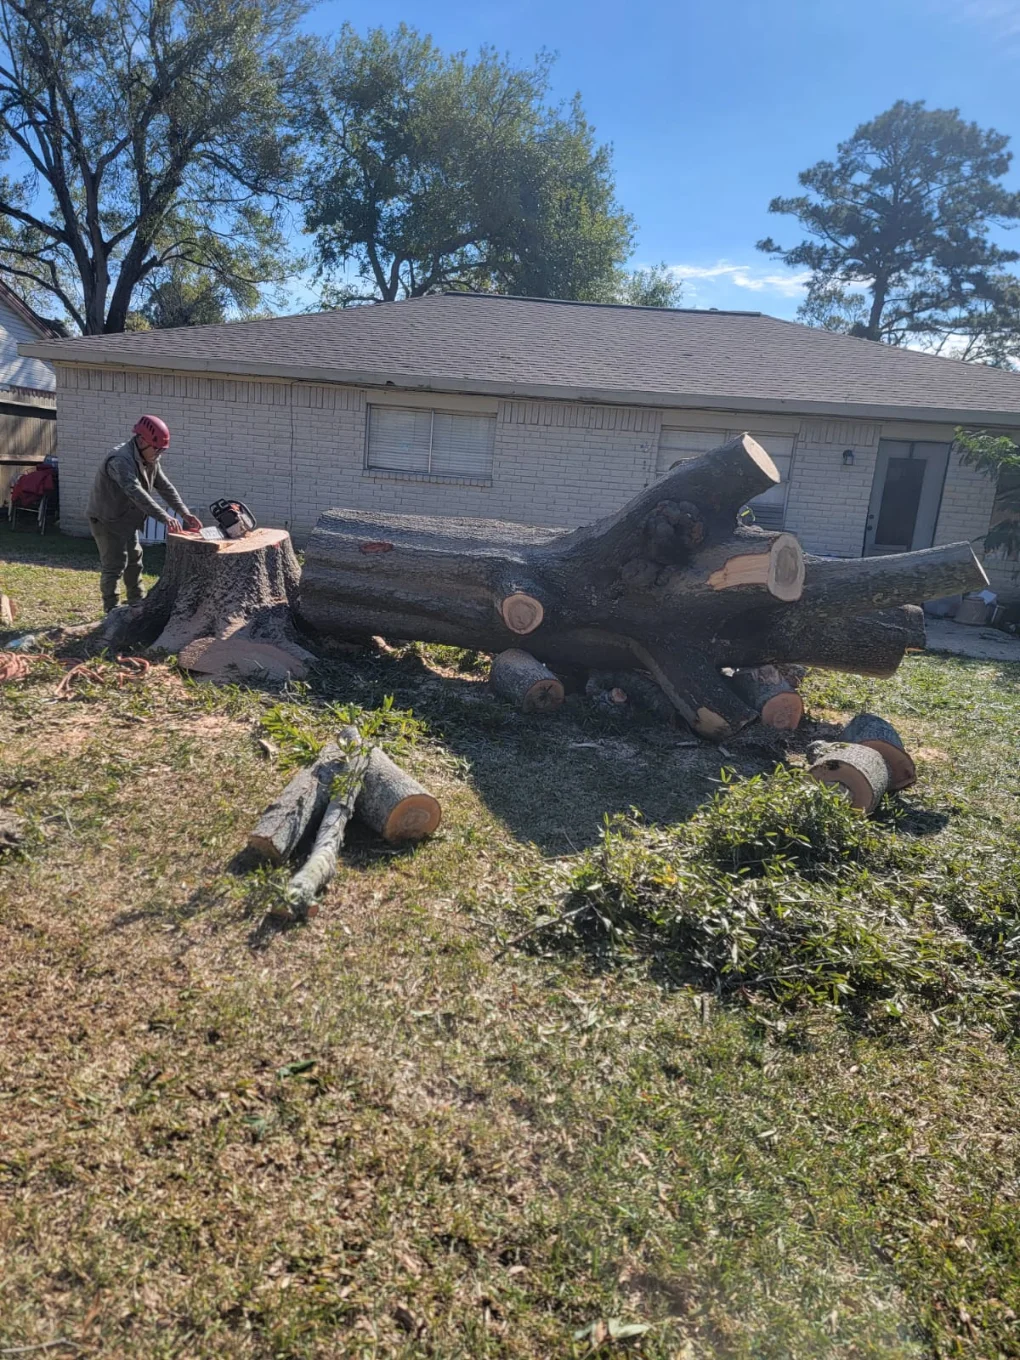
x=827 y=504
x=293 y=450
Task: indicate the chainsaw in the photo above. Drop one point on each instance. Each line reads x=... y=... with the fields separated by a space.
x=233 y=520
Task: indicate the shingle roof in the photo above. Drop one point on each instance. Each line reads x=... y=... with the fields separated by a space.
x=536 y=348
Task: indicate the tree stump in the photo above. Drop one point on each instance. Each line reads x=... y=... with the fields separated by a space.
x=867 y=729
x=671 y=584
x=772 y=696
x=858 y=770
x=530 y=686
x=224 y=605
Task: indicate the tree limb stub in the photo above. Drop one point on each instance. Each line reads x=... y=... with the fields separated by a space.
x=670 y=583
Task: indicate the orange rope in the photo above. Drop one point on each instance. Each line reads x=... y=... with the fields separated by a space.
x=128 y=668
x=12 y=666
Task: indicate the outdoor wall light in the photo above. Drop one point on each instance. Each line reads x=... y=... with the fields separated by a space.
x=848 y=457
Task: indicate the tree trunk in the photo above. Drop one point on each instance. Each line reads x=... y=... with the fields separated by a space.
x=669 y=584
x=530 y=686
x=772 y=697
x=858 y=770
x=867 y=729
x=395 y=805
x=224 y=605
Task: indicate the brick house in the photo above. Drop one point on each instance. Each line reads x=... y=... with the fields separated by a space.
x=536 y=411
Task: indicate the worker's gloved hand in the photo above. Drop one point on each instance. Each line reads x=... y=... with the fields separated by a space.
x=173 y=526
x=192 y=523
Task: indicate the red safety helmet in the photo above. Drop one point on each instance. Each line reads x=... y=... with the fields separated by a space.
x=155 y=431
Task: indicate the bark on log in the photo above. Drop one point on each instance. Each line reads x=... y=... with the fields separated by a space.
x=670 y=584
x=867 y=729
x=858 y=770
x=772 y=696
x=641 y=690
x=298 y=807
x=229 y=590
x=321 y=864
x=529 y=686
x=395 y=805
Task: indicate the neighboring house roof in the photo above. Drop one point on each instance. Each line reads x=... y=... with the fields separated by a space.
x=525 y=347
x=49 y=330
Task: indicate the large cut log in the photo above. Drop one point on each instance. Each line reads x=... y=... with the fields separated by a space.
x=858 y=770
x=321 y=864
x=670 y=584
x=867 y=729
x=771 y=695
x=229 y=591
x=530 y=686
x=395 y=805
x=298 y=807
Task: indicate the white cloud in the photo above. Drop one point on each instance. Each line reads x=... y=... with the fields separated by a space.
x=744 y=276
x=1002 y=15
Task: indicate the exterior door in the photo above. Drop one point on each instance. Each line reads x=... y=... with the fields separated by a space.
x=905 y=496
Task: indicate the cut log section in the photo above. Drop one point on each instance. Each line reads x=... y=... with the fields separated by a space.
x=529 y=686
x=867 y=729
x=321 y=864
x=670 y=584
x=212 y=591
x=767 y=691
x=521 y=613
x=8 y=611
x=299 y=806
x=858 y=770
x=395 y=805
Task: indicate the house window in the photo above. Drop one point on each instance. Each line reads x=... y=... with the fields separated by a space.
x=430 y=443
x=677 y=445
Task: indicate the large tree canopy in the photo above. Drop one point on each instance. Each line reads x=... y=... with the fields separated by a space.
x=139 y=135
x=432 y=171
x=899 y=234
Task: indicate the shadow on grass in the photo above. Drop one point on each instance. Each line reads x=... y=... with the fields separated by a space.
x=54 y=549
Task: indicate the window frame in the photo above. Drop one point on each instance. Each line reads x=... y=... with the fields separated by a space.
x=427 y=474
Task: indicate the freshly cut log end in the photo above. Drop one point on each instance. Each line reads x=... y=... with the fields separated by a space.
x=786 y=568
x=529 y=685
x=780 y=569
x=777 y=702
x=868 y=729
x=394 y=805
x=858 y=770
x=522 y=613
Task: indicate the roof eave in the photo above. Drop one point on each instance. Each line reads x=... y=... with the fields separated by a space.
x=415 y=382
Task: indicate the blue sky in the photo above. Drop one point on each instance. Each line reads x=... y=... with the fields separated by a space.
x=712 y=108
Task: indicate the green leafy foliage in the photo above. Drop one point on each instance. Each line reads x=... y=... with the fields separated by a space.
x=432 y=171
x=998 y=457
x=898 y=234
x=160 y=145
x=778 y=887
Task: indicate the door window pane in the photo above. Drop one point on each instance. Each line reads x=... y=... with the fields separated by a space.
x=901 y=497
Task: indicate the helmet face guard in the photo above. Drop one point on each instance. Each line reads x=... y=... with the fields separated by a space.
x=154 y=431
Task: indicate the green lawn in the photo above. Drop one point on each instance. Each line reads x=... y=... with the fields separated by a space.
x=394 y=1132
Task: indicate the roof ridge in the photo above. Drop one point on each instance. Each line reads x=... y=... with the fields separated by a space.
x=580 y=302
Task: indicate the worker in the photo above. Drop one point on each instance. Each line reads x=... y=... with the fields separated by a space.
x=122 y=500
